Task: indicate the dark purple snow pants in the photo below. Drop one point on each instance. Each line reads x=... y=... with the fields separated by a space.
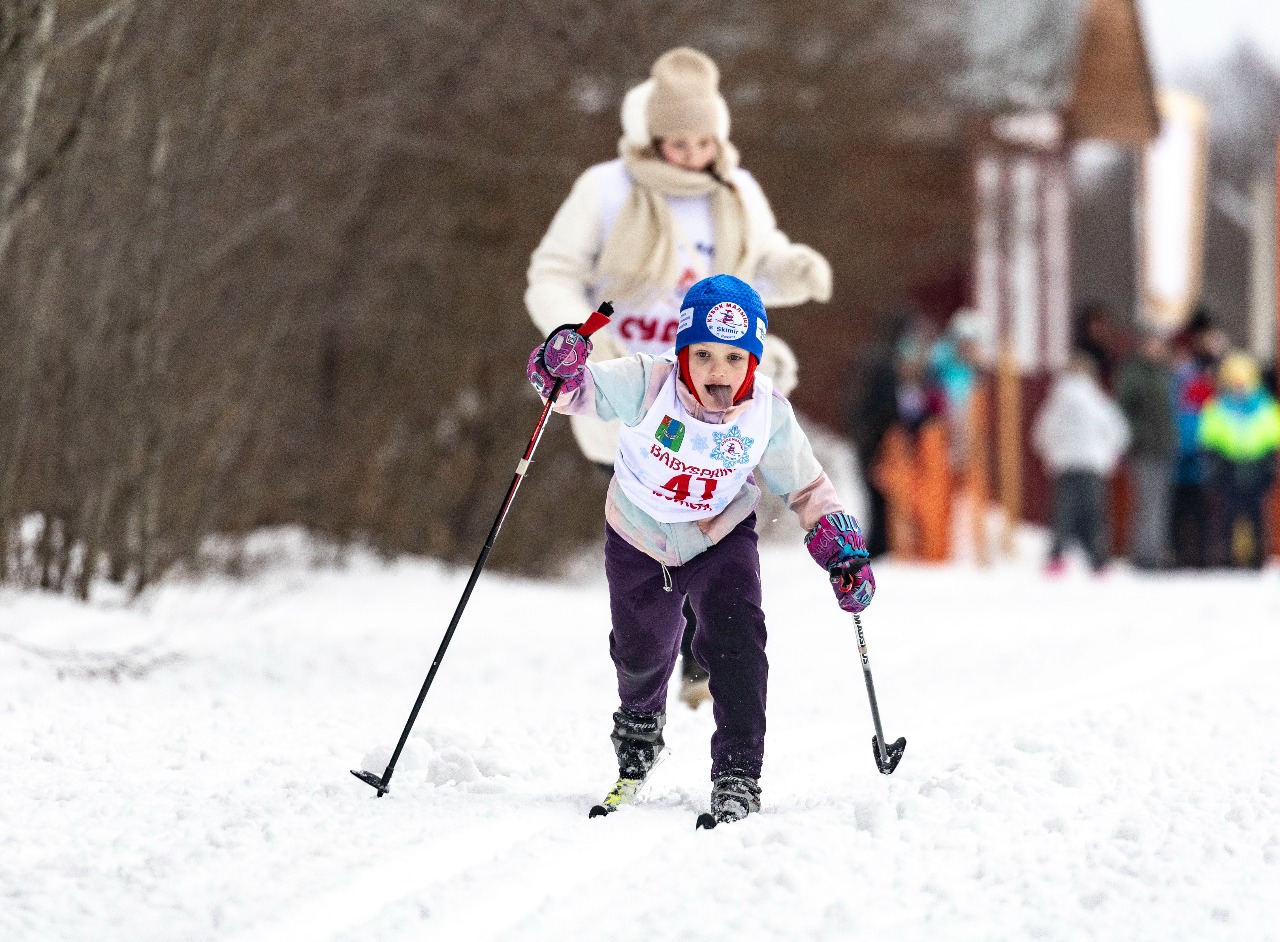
x=723 y=586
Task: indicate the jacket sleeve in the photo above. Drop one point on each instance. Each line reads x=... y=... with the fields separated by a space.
x=612 y=389
x=1128 y=393
x=1212 y=435
x=787 y=273
x=1122 y=435
x=789 y=468
x=1271 y=433
x=1044 y=428
x=560 y=268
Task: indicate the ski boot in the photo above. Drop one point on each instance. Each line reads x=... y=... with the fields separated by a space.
x=637 y=741
x=733 y=797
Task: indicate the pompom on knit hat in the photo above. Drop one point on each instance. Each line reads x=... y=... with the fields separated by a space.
x=685 y=98
x=722 y=309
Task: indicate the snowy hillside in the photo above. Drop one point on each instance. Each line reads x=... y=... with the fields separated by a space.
x=1086 y=760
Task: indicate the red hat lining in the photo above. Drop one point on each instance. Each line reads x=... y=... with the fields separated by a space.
x=744 y=391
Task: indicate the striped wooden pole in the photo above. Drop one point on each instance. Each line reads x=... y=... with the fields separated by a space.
x=978 y=471
x=1010 y=439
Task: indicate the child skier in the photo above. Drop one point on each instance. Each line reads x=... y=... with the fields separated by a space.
x=698 y=432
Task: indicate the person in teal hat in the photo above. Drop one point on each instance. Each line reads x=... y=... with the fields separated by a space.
x=1240 y=435
x=956 y=361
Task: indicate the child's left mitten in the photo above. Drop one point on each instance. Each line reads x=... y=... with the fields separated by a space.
x=838 y=546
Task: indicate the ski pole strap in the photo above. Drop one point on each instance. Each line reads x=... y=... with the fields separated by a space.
x=597 y=320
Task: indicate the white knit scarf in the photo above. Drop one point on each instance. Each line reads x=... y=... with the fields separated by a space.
x=639 y=257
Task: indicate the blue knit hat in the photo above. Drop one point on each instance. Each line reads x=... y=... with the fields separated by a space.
x=723 y=309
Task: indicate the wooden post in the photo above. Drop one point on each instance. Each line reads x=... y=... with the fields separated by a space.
x=978 y=471
x=933 y=492
x=1010 y=438
x=894 y=469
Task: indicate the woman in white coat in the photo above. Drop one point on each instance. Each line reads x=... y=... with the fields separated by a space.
x=672 y=209
x=640 y=230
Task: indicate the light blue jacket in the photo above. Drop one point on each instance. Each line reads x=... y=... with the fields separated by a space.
x=625 y=388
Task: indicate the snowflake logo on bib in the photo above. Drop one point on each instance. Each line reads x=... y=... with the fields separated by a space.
x=732 y=447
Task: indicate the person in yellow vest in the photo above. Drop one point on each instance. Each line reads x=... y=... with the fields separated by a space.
x=1240 y=435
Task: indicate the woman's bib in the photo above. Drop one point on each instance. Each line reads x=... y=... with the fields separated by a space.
x=648 y=324
x=677 y=468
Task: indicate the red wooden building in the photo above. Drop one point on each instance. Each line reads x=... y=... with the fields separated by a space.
x=964 y=196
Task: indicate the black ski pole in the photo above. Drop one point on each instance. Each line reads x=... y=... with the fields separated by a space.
x=887 y=757
x=383 y=783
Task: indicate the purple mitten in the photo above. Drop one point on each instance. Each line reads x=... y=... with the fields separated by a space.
x=539 y=378
x=562 y=357
x=837 y=545
x=854 y=587
x=565 y=354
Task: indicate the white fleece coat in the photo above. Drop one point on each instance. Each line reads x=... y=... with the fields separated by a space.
x=564 y=278
x=1079 y=427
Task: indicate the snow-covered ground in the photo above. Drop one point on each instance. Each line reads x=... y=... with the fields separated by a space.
x=1086 y=760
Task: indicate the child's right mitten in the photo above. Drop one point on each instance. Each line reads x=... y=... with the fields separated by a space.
x=838 y=546
x=562 y=357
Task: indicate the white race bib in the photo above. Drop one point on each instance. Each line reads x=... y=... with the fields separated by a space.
x=676 y=468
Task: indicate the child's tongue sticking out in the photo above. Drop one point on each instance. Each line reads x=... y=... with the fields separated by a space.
x=718 y=371
x=717 y=397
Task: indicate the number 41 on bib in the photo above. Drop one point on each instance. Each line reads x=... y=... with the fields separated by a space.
x=681 y=485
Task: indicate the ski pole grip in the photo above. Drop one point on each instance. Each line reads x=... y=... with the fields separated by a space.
x=597 y=320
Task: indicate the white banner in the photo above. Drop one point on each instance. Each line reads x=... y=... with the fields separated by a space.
x=1262 y=287
x=1171 y=211
x=1025 y=302
x=987 y=252
x=1022 y=255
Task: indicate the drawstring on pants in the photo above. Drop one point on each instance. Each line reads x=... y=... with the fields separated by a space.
x=666 y=577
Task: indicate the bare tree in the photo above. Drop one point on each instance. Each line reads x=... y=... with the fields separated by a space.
x=263 y=262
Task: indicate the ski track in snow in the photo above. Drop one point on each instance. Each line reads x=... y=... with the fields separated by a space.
x=1086 y=760
x=406 y=873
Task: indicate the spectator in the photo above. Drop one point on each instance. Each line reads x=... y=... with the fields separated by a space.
x=673 y=208
x=1095 y=337
x=1199 y=349
x=956 y=361
x=910 y=467
x=1080 y=435
x=917 y=392
x=1145 y=393
x=870 y=418
x=1240 y=433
